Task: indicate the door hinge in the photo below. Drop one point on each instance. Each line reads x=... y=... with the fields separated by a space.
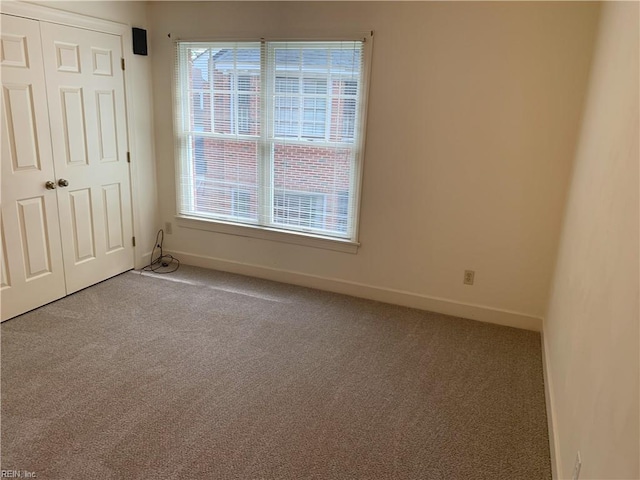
x=133 y=240
x=128 y=157
x=122 y=63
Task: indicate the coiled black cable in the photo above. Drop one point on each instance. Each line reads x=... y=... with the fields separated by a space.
x=163 y=263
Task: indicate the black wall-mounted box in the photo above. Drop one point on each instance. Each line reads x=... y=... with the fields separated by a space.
x=139 y=41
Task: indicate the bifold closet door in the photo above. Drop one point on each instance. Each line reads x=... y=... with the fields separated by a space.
x=32 y=266
x=66 y=219
x=85 y=88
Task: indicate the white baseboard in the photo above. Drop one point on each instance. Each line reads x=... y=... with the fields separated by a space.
x=397 y=297
x=551 y=414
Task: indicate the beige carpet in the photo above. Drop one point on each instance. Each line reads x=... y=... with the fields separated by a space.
x=206 y=375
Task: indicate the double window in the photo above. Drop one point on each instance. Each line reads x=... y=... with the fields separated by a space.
x=270 y=134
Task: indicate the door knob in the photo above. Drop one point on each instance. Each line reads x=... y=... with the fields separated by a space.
x=50 y=185
x=63 y=183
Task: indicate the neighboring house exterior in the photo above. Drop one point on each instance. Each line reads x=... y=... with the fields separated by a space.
x=312 y=118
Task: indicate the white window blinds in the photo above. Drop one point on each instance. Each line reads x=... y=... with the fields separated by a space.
x=270 y=133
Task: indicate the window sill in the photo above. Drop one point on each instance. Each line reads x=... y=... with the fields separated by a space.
x=263 y=233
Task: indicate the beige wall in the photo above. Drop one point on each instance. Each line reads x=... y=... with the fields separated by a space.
x=473 y=117
x=141 y=142
x=591 y=329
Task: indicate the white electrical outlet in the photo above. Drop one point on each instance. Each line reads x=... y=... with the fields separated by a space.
x=168 y=228
x=468 y=277
x=577 y=466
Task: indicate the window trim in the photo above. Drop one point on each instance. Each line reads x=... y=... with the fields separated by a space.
x=265 y=232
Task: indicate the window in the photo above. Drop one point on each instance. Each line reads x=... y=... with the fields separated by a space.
x=343 y=210
x=301 y=209
x=241 y=206
x=300 y=107
x=271 y=134
x=247 y=104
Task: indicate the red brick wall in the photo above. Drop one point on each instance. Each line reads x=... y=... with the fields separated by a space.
x=296 y=168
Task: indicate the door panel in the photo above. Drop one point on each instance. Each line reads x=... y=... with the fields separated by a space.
x=107 y=126
x=114 y=223
x=83 y=227
x=67 y=57
x=33 y=231
x=23 y=144
x=75 y=133
x=102 y=61
x=32 y=267
x=14 y=47
x=88 y=125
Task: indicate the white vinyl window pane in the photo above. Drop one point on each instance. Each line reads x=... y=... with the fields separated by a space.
x=350 y=87
x=287 y=59
x=287 y=85
x=217 y=177
x=318 y=172
x=299 y=209
x=345 y=60
x=314 y=117
x=315 y=59
x=287 y=116
x=314 y=86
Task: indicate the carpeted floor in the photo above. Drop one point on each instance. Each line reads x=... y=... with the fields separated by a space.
x=207 y=375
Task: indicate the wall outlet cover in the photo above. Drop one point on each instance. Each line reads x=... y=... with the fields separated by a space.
x=469 y=276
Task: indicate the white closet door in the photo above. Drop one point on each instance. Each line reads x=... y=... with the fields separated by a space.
x=86 y=101
x=32 y=270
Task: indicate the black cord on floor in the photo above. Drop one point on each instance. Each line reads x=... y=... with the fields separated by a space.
x=163 y=263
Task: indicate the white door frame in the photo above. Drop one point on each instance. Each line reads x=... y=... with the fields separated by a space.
x=47 y=14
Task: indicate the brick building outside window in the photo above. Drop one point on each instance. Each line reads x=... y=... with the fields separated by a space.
x=274 y=146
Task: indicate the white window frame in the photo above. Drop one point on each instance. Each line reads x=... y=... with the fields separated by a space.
x=312 y=239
